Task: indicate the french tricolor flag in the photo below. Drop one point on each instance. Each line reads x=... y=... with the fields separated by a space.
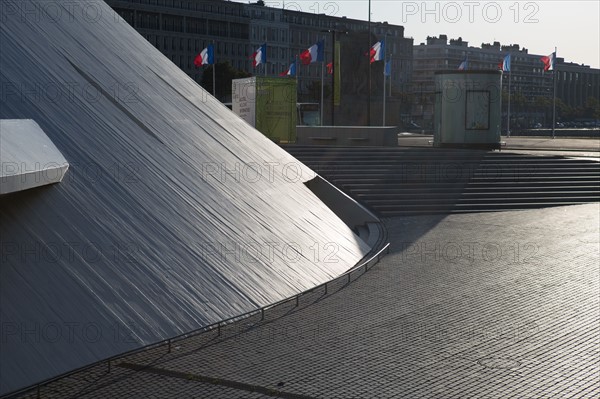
x=206 y=57
x=505 y=64
x=313 y=54
x=260 y=56
x=387 y=69
x=330 y=68
x=377 y=51
x=549 y=61
x=291 y=71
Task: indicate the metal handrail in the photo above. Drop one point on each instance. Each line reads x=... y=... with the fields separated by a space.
x=366 y=265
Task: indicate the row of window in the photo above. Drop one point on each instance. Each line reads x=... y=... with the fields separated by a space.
x=269 y=34
x=179 y=44
x=186 y=63
x=197 y=5
x=239 y=50
x=174 y=23
x=524 y=73
x=292 y=13
x=172 y=44
x=425 y=52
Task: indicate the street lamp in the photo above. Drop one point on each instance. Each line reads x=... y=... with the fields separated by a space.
x=422 y=106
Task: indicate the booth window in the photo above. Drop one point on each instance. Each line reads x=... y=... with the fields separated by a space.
x=477 y=115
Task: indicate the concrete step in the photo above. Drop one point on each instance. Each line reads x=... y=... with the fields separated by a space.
x=435 y=208
x=425 y=181
x=474 y=190
x=382 y=196
x=396 y=213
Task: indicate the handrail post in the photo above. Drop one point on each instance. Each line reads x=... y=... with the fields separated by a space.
x=297 y=300
x=169 y=344
x=262 y=314
x=109 y=366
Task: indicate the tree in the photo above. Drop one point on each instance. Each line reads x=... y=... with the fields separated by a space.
x=543 y=105
x=225 y=73
x=406 y=99
x=313 y=92
x=592 y=108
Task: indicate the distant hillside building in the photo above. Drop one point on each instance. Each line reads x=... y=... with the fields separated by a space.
x=575 y=83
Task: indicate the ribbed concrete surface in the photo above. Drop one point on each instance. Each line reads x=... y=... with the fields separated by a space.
x=495 y=305
x=175 y=214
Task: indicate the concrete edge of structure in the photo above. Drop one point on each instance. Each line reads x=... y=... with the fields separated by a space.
x=381 y=249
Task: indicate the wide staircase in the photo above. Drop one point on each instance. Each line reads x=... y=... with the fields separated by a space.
x=413 y=181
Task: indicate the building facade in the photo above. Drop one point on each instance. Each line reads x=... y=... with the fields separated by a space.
x=530 y=84
x=576 y=83
x=180 y=29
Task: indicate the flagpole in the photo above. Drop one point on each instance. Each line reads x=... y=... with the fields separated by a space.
x=369 y=69
x=554 y=95
x=214 y=81
x=322 y=78
x=333 y=65
x=384 y=75
x=214 y=66
x=508 y=116
x=390 y=78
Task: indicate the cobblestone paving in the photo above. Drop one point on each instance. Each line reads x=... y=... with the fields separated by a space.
x=496 y=305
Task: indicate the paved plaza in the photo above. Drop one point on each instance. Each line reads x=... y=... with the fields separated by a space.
x=494 y=305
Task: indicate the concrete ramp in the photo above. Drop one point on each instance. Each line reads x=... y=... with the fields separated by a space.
x=174 y=214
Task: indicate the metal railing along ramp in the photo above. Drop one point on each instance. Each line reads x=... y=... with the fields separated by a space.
x=174 y=215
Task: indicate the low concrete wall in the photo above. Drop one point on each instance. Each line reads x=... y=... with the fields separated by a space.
x=346 y=208
x=348 y=135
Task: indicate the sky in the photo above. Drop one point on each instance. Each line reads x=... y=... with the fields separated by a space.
x=540 y=26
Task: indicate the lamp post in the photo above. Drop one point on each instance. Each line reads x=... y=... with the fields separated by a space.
x=333 y=32
x=422 y=106
x=369 y=60
x=384 y=74
x=333 y=66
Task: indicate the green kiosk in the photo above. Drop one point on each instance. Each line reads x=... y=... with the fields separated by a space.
x=267 y=104
x=467 y=110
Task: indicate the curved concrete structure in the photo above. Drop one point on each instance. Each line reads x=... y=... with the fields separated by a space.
x=28 y=157
x=175 y=214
